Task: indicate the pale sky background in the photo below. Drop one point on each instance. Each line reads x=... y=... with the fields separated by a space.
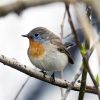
x=15 y=46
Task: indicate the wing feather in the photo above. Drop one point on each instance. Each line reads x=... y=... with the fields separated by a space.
x=56 y=41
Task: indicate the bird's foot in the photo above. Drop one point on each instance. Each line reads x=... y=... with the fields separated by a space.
x=44 y=73
x=53 y=77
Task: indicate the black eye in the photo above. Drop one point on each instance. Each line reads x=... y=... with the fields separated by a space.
x=36 y=34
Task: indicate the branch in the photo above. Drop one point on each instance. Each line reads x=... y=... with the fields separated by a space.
x=62 y=24
x=90 y=51
x=72 y=27
x=20 y=90
x=85 y=60
x=19 y=6
x=84 y=73
x=83 y=82
x=88 y=31
x=72 y=83
x=39 y=75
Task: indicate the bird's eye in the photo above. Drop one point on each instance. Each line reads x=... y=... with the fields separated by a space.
x=36 y=34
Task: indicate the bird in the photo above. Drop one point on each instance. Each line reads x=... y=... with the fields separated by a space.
x=46 y=50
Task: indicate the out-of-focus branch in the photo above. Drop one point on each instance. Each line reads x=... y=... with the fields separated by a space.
x=88 y=31
x=36 y=74
x=19 y=6
x=20 y=90
x=85 y=60
x=62 y=24
x=90 y=51
x=95 y=5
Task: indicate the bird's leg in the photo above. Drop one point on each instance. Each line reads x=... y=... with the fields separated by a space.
x=53 y=76
x=44 y=73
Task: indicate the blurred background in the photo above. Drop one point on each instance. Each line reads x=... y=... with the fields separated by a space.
x=12 y=26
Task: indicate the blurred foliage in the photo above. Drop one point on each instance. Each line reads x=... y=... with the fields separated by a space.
x=97 y=79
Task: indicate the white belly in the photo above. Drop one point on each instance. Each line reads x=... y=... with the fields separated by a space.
x=55 y=61
x=52 y=61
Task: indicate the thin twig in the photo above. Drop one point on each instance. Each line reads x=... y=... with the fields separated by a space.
x=38 y=75
x=72 y=83
x=62 y=24
x=79 y=45
x=72 y=27
x=61 y=33
x=20 y=90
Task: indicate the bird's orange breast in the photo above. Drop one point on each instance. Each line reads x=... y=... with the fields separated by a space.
x=36 y=49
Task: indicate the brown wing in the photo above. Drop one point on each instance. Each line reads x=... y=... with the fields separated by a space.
x=62 y=48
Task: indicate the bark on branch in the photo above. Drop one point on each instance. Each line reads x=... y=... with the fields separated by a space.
x=36 y=74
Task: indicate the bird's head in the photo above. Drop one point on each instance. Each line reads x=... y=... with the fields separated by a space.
x=39 y=34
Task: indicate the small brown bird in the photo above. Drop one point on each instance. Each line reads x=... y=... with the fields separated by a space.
x=46 y=51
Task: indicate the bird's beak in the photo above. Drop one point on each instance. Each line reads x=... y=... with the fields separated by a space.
x=26 y=35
